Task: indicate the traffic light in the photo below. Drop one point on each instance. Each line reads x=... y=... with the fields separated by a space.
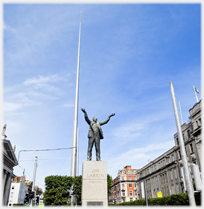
x=37 y=200
x=26 y=200
x=31 y=195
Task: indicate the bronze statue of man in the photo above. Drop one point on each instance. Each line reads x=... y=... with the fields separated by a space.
x=95 y=134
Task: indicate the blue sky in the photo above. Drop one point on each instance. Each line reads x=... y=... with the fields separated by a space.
x=129 y=54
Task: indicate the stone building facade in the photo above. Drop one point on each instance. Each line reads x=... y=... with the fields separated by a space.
x=9 y=161
x=165 y=173
x=123 y=187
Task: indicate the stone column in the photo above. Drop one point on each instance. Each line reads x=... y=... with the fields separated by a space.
x=7 y=189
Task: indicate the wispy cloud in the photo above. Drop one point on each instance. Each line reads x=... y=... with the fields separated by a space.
x=138 y=157
x=133 y=129
x=44 y=82
x=68 y=105
x=10 y=107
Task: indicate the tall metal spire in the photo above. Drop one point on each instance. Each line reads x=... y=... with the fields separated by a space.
x=73 y=159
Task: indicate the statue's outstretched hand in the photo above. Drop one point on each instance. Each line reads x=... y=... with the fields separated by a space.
x=111 y=115
x=83 y=110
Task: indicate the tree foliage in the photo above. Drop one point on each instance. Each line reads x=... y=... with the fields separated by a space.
x=57 y=190
x=77 y=187
x=109 y=183
x=174 y=199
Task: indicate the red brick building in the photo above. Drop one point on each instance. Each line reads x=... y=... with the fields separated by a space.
x=124 y=187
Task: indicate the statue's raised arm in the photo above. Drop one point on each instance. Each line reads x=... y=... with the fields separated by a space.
x=106 y=121
x=86 y=116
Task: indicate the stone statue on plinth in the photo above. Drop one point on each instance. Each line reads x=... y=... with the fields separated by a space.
x=95 y=134
x=3 y=132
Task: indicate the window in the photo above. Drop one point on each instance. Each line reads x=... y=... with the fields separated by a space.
x=186 y=150
x=123 y=193
x=164 y=162
x=169 y=159
x=152 y=169
x=183 y=137
x=171 y=175
x=155 y=167
x=173 y=188
x=135 y=185
x=122 y=178
x=177 y=186
x=130 y=185
x=175 y=173
x=200 y=122
x=177 y=141
x=159 y=165
x=129 y=178
x=179 y=154
x=128 y=171
x=131 y=199
x=191 y=147
x=188 y=133
x=130 y=193
x=123 y=185
x=157 y=180
x=166 y=177
x=153 y=181
x=173 y=157
x=135 y=178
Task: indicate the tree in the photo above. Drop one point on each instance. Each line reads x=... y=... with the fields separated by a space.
x=77 y=187
x=56 y=190
x=109 y=183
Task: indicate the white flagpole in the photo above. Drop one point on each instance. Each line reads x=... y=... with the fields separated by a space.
x=187 y=177
x=195 y=93
x=73 y=160
x=181 y=113
x=77 y=156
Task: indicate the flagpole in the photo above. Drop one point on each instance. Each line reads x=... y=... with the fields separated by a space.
x=195 y=93
x=187 y=175
x=181 y=113
x=73 y=160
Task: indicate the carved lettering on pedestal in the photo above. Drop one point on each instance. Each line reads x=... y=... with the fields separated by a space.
x=95 y=173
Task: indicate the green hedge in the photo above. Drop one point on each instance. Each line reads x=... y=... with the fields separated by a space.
x=175 y=199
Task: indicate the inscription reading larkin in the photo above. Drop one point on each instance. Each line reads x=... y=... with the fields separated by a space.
x=95 y=173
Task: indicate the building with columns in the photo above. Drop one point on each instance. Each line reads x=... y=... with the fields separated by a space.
x=9 y=161
x=165 y=173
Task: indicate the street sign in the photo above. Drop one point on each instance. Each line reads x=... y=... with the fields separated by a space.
x=41 y=204
x=159 y=194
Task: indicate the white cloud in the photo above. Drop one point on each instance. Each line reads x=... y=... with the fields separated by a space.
x=68 y=105
x=45 y=82
x=42 y=79
x=135 y=128
x=138 y=157
x=9 y=106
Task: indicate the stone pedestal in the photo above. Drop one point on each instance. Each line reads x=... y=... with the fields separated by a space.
x=94 y=183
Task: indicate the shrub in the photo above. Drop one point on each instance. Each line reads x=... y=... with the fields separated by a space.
x=175 y=199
